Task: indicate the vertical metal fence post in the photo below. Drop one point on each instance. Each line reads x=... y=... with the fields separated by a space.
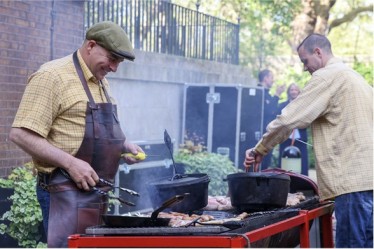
x=212 y=38
x=137 y=24
x=163 y=27
x=197 y=28
x=237 y=42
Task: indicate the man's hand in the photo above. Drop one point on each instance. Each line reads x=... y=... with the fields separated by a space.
x=82 y=173
x=38 y=147
x=133 y=149
x=280 y=90
x=252 y=158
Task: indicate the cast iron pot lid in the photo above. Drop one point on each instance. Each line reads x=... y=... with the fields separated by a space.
x=185 y=180
x=299 y=182
x=259 y=175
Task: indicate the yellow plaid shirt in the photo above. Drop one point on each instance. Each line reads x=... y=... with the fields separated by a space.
x=338 y=104
x=54 y=105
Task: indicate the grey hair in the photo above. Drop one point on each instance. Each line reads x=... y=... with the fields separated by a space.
x=316 y=40
x=289 y=89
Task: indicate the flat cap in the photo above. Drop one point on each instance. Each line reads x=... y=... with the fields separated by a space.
x=112 y=37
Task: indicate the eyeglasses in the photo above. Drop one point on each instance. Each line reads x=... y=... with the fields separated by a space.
x=110 y=57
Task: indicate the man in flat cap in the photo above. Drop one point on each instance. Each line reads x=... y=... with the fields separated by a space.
x=67 y=121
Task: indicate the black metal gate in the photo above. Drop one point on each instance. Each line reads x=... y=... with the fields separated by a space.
x=163 y=27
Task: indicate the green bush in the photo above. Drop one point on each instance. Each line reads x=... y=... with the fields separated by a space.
x=25 y=215
x=196 y=159
x=215 y=165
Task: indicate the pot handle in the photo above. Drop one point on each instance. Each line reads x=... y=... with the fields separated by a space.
x=169 y=203
x=253 y=164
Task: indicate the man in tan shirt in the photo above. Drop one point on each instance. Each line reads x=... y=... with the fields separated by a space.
x=338 y=104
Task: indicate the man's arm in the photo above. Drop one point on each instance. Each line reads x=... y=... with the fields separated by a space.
x=37 y=146
x=273 y=102
x=312 y=102
x=280 y=90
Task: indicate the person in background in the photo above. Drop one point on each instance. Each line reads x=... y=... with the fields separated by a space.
x=266 y=79
x=293 y=91
x=338 y=104
x=67 y=121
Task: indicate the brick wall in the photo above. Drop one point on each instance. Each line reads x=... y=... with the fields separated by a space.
x=25 y=44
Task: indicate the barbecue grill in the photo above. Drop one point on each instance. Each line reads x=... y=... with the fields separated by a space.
x=279 y=227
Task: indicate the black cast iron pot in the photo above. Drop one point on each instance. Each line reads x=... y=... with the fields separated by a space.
x=258 y=191
x=195 y=184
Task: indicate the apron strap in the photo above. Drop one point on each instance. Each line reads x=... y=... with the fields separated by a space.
x=105 y=92
x=94 y=107
x=83 y=80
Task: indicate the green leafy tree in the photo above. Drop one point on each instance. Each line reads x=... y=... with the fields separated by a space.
x=275 y=27
x=365 y=69
x=271 y=30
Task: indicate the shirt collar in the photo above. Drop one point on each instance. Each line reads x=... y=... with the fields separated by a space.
x=86 y=71
x=332 y=61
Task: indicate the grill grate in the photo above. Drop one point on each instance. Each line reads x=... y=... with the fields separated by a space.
x=254 y=221
x=141 y=231
x=219 y=215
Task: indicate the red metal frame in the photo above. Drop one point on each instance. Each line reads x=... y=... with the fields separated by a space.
x=302 y=220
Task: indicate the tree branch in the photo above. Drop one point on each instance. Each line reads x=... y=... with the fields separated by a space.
x=349 y=16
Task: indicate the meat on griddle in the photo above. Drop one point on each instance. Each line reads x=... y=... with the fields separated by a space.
x=295 y=198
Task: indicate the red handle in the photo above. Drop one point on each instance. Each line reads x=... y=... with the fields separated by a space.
x=293 y=137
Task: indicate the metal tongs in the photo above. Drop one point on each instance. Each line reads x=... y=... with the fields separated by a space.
x=128 y=203
x=131 y=192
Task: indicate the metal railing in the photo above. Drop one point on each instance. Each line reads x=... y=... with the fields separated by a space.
x=163 y=27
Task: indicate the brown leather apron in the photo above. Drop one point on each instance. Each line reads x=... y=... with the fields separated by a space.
x=73 y=210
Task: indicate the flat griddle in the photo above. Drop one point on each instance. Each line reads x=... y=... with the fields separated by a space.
x=153 y=221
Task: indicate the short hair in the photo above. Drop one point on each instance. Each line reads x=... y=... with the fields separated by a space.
x=316 y=40
x=263 y=74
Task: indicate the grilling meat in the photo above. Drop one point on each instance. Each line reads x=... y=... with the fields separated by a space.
x=181 y=219
x=218 y=222
x=294 y=199
x=240 y=217
x=218 y=202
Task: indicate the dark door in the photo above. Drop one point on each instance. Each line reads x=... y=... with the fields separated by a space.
x=197 y=113
x=250 y=120
x=225 y=120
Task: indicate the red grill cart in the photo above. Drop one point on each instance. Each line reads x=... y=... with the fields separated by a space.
x=230 y=239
